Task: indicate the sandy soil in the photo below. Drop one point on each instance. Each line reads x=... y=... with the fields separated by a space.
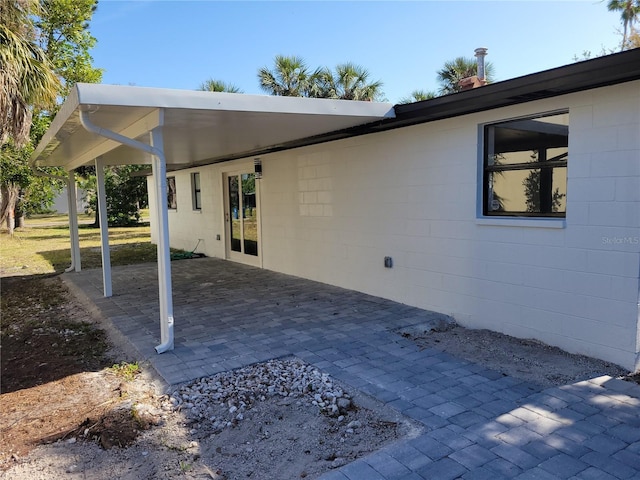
x=62 y=423
x=279 y=438
x=89 y=422
x=529 y=360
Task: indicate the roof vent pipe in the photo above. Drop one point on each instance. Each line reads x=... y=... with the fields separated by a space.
x=480 y=54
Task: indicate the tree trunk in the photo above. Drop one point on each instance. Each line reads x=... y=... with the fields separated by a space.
x=96 y=222
x=9 y=193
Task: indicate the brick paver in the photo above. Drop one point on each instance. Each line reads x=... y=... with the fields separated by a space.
x=477 y=423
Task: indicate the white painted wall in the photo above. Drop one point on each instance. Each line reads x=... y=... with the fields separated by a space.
x=332 y=212
x=188 y=226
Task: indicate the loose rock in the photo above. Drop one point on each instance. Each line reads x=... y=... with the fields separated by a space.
x=240 y=389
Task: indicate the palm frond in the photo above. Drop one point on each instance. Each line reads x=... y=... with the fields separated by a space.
x=213 y=85
x=455 y=70
x=418 y=96
x=27 y=80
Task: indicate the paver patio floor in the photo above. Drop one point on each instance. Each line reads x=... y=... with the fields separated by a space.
x=478 y=423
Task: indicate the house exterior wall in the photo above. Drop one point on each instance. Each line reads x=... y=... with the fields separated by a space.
x=332 y=212
x=189 y=228
x=61 y=201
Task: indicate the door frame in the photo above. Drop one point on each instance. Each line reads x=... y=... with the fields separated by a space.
x=254 y=260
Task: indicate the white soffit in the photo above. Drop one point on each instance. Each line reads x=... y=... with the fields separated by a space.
x=198 y=126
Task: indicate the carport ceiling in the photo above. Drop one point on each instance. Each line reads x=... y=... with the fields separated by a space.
x=198 y=127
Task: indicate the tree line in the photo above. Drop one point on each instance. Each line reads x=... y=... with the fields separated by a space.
x=291 y=76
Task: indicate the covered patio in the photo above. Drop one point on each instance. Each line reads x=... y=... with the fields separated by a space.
x=232 y=315
x=102 y=125
x=479 y=422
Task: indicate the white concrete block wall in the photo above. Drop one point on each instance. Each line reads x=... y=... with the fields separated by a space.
x=332 y=212
x=188 y=227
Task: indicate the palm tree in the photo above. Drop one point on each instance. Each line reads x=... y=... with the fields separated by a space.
x=349 y=82
x=418 y=96
x=629 y=13
x=455 y=70
x=290 y=77
x=213 y=85
x=27 y=79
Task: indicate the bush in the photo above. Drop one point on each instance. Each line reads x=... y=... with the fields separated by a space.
x=126 y=194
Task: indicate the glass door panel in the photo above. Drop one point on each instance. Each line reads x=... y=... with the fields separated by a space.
x=242 y=217
x=235 y=230
x=249 y=214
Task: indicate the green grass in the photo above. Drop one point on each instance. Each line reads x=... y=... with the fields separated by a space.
x=126 y=370
x=43 y=219
x=42 y=246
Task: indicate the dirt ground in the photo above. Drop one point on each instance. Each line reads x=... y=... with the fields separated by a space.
x=65 y=414
x=528 y=360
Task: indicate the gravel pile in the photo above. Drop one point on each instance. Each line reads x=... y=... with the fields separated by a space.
x=222 y=400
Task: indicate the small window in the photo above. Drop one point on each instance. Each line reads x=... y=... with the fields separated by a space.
x=525 y=167
x=195 y=191
x=171 y=193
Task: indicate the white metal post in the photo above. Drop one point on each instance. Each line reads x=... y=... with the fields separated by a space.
x=104 y=229
x=76 y=262
x=159 y=170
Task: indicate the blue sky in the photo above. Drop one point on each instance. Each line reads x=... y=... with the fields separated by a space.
x=180 y=44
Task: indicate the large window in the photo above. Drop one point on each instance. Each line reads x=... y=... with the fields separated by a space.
x=171 y=193
x=525 y=166
x=195 y=191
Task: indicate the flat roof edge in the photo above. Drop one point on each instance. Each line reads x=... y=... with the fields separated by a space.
x=554 y=82
x=580 y=76
x=67 y=109
x=152 y=97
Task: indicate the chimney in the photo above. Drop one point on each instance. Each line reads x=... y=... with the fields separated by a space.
x=480 y=54
x=478 y=80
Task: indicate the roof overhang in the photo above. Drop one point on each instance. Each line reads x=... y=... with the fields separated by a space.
x=586 y=75
x=198 y=127
x=203 y=127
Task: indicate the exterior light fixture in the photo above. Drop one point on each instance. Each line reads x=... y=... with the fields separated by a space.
x=257 y=167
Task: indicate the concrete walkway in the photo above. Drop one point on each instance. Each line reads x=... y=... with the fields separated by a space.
x=479 y=423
